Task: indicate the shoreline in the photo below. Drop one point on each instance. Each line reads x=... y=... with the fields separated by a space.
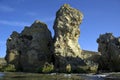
x=101 y=76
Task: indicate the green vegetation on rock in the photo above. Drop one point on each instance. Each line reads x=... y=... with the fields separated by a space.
x=8 y=68
x=47 y=68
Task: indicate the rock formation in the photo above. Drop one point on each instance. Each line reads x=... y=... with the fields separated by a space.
x=67 y=31
x=66 y=27
x=90 y=55
x=34 y=46
x=109 y=46
x=31 y=48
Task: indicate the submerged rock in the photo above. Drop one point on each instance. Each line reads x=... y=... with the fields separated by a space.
x=109 y=46
x=30 y=49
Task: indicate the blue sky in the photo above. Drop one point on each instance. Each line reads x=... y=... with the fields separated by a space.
x=100 y=16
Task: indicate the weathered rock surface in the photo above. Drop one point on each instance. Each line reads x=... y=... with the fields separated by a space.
x=67 y=31
x=66 y=27
x=109 y=46
x=91 y=59
x=90 y=55
x=66 y=47
x=31 y=48
x=34 y=46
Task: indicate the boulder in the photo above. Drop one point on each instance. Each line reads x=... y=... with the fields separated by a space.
x=31 y=48
x=109 y=46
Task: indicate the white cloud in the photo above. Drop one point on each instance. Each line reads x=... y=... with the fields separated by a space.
x=13 y=23
x=6 y=8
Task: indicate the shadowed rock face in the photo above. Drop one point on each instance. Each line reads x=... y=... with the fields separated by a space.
x=31 y=48
x=109 y=46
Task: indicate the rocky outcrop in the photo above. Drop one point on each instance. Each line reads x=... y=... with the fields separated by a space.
x=30 y=49
x=90 y=55
x=34 y=46
x=66 y=47
x=66 y=27
x=109 y=46
x=67 y=31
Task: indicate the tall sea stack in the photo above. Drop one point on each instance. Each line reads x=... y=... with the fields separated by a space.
x=67 y=32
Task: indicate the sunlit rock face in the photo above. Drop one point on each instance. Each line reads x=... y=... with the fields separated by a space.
x=67 y=31
x=109 y=46
x=31 y=48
